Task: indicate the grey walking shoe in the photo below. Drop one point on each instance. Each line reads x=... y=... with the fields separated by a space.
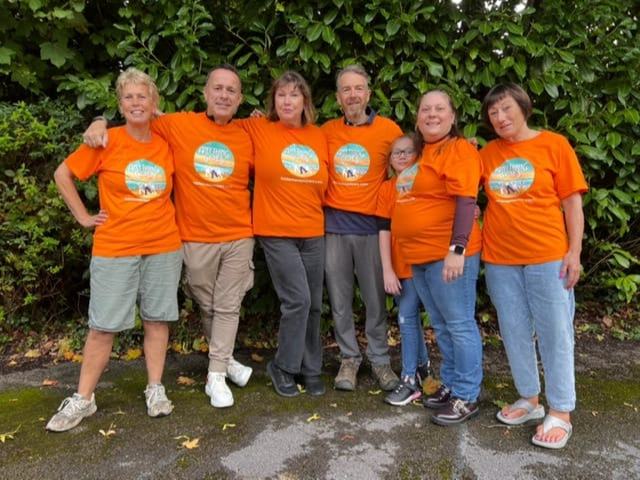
x=158 y=405
x=347 y=377
x=71 y=412
x=386 y=377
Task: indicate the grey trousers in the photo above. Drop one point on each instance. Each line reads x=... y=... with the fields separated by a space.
x=348 y=257
x=296 y=266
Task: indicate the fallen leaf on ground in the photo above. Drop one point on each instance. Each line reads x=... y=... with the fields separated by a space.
x=190 y=444
x=185 y=380
x=313 y=417
x=594 y=413
x=133 y=354
x=257 y=358
x=9 y=435
x=110 y=431
x=228 y=425
x=500 y=403
x=346 y=437
x=375 y=392
x=430 y=385
x=33 y=353
x=12 y=363
x=49 y=383
x=77 y=358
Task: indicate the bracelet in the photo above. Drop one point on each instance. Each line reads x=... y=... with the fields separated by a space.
x=100 y=117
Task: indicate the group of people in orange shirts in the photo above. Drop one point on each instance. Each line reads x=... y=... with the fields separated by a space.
x=325 y=211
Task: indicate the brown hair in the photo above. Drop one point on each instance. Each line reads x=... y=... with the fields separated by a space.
x=501 y=91
x=454 y=132
x=291 y=77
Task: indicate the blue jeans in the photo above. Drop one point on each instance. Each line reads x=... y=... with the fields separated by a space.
x=451 y=308
x=296 y=266
x=414 y=349
x=532 y=302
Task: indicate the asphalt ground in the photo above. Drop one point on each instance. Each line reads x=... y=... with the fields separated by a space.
x=340 y=435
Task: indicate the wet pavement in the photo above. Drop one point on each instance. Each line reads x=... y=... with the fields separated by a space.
x=340 y=435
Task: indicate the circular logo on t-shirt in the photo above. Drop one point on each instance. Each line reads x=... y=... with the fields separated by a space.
x=213 y=161
x=145 y=179
x=351 y=162
x=404 y=182
x=300 y=160
x=512 y=178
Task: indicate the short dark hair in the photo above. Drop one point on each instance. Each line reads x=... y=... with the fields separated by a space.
x=501 y=91
x=308 y=112
x=224 y=66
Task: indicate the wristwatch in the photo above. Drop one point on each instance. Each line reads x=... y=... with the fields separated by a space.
x=457 y=249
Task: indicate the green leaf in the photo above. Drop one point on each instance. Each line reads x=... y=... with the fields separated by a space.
x=55 y=52
x=314 y=32
x=5 y=55
x=536 y=86
x=393 y=26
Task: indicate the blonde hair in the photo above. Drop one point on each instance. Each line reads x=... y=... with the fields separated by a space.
x=135 y=76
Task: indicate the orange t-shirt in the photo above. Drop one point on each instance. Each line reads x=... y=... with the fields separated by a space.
x=387 y=196
x=358 y=162
x=213 y=166
x=290 y=179
x=423 y=217
x=134 y=184
x=525 y=183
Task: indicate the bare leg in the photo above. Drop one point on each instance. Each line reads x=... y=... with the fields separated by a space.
x=156 y=339
x=97 y=349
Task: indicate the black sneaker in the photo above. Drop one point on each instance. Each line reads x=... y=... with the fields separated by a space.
x=404 y=393
x=313 y=385
x=283 y=382
x=457 y=411
x=423 y=372
x=438 y=399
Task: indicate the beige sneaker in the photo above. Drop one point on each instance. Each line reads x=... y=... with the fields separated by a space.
x=386 y=377
x=347 y=375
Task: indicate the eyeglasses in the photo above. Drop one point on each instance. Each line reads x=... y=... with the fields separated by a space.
x=398 y=153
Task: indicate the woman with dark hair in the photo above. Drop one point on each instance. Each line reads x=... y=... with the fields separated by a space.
x=435 y=228
x=532 y=240
x=290 y=181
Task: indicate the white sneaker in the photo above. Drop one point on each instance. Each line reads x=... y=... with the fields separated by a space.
x=238 y=373
x=71 y=412
x=218 y=390
x=158 y=405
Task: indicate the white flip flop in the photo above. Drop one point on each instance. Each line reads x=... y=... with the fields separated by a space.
x=533 y=413
x=554 y=422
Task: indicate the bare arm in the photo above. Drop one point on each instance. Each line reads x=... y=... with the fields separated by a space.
x=65 y=180
x=391 y=283
x=574 y=219
x=96 y=134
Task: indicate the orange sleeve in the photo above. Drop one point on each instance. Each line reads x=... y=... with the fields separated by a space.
x=424 y=214
x=386 y=204
x=525 y=183
x=134 y=184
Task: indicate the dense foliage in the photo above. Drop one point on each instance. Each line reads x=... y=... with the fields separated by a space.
x=579 y=61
